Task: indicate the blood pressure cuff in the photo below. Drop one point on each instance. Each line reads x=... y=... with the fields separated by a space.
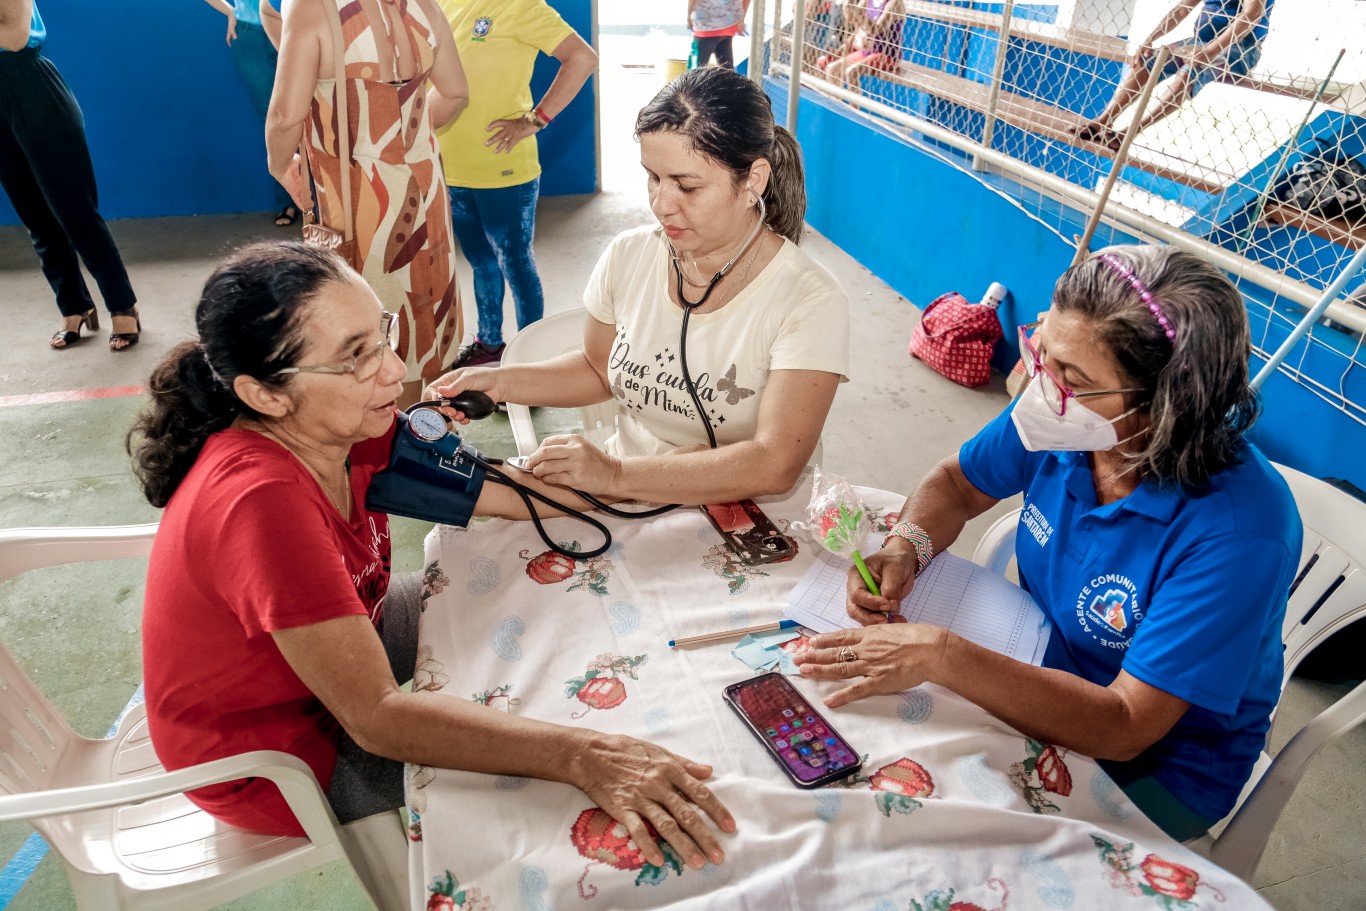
x=436 y=482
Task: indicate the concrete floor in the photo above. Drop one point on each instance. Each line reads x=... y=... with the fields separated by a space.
x=62 y=463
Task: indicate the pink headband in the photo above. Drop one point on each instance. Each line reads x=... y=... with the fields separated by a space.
x=1115 y=263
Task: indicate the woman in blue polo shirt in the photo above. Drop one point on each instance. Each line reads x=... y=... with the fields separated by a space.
x=1160 y=543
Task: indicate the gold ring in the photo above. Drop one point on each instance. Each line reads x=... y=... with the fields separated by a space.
x=847 y=654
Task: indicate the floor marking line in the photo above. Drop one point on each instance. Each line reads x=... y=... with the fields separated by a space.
x=74 y=395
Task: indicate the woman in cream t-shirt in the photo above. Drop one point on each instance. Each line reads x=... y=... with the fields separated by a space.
x=792 y=315
x=720 y=279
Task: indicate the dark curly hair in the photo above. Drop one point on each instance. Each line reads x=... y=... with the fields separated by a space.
x=248 y=320
x=1195 y=387
x=729 y=119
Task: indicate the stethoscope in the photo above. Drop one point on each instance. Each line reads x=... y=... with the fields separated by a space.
x=423 y=414
x=690 y=306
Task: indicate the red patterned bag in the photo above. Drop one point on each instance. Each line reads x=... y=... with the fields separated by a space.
x=956 y=338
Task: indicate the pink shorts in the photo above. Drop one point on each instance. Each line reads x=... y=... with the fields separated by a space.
x=871 y=59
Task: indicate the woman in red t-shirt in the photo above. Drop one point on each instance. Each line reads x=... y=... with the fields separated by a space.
x=271 y=621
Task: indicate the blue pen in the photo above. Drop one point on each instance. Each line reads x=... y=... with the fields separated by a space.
x=732 y=633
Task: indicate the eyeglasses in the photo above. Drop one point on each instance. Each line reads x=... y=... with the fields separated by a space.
x=363 y=366
x=1054 y=392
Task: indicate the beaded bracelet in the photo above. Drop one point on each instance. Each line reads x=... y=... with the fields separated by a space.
x=920 y=540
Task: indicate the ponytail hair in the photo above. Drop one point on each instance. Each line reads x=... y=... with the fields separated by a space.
x=729 y=119
x=248 y=317
x=785 y=195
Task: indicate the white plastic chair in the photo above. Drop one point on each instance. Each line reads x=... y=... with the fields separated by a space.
x=1328 y=594
x=542 y=340
x=121 y=824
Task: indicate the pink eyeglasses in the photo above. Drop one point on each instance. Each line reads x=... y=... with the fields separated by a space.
x=1054 y=392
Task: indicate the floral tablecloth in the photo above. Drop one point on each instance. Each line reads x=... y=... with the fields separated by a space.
x=953 y=811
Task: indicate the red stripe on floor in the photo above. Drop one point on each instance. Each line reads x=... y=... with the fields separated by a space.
x=75 y=395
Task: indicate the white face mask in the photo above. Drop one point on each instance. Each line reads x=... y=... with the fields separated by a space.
x=1041 y=429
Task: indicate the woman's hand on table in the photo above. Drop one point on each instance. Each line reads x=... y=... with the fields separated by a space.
x=637 y=782
x=890 y=658
x=893 y=568
x=480 y=379
x=569 y=460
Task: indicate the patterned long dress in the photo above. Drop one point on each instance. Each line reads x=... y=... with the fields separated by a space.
x=405 y=246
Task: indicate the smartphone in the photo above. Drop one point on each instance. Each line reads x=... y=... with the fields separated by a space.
x=798 y=738
x=749 y=533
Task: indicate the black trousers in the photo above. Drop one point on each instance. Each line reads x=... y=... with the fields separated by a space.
x=45 y=170
x=719 y=45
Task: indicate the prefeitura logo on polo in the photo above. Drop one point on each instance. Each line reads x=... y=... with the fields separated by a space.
x=1108 y=608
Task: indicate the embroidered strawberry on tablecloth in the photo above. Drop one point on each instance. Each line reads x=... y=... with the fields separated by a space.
x=446 y=895
x=1045 y=764
x=1170 y=884
x=603 y=840
x=552 y=568
x=898 y=784
x=601 y=686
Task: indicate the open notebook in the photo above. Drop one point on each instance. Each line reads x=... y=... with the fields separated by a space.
x=952 y=592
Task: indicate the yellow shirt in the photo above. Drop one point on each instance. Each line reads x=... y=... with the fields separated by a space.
x=498 y=41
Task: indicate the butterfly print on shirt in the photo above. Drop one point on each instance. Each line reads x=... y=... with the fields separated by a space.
x=734 y=392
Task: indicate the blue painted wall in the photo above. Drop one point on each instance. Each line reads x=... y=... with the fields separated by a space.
x=931 y=228
x=172 y=131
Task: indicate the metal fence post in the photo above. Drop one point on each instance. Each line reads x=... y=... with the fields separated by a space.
x=756 y=42
x=1116 y=166
x=997 y=74
x=1292 y=144
x=798 y=47
x=1330 y=294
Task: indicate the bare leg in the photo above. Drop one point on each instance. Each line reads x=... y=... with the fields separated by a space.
x=853 y=74
x=1126 y=93
x=834 y=71
x=1169 y=100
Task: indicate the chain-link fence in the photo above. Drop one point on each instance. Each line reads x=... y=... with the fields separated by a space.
x=1249 y=147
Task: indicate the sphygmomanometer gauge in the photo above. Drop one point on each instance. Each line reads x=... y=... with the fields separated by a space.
x=427 y=424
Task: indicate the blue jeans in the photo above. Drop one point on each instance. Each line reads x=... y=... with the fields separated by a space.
x=254 y=57
x=495 y=229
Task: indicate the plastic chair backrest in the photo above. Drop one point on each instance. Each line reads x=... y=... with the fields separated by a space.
x=35 y=737
x=1329 y=591
x=121 y=824
x=544 y=339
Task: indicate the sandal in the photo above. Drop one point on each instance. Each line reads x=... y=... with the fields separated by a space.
x=120 y=341
x=288 y=216
x=1103 y=136
x=65 y=338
